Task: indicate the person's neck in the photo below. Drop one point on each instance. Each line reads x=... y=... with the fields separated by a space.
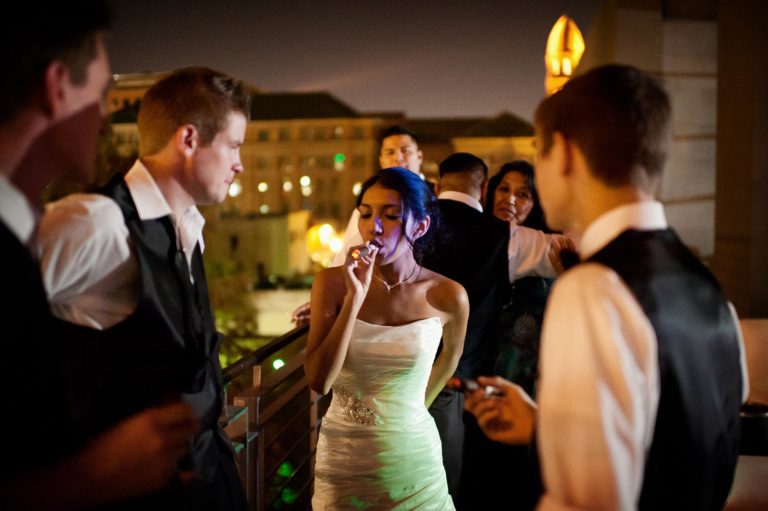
x=168 y=176
x=399 y=270
x=464 y=188
x=16 y=138
x=603 y=199
x=39 y=168
x=35 y=172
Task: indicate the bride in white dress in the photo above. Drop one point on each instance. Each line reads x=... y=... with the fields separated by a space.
x=376 y=323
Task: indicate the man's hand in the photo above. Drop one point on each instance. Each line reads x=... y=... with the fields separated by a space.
x=139 y=455
x=301 y=315
x=508 y=418
x=562 y=252
x=135 y=457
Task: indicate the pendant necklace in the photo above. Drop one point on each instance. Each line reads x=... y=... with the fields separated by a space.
x=390 y=287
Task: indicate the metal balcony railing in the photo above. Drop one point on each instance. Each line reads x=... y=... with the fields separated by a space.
x=273 y=418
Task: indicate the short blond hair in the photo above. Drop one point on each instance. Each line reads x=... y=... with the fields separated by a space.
x=198 y=96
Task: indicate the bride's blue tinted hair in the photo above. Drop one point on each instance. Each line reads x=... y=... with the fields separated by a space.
x=419 y=201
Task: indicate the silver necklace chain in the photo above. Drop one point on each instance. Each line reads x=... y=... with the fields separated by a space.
x=390 y=287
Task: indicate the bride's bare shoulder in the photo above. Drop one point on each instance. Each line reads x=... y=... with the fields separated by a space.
x=329 y=280
x=443 y=293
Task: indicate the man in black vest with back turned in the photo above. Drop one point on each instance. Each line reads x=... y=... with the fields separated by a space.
x=127 y=264
x=474 y=249
x=642 y=374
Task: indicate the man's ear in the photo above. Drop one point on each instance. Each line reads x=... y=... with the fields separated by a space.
x=421 y=227
x=187 y=139
x=55 y=94
x=484 y=192
x=561 y=153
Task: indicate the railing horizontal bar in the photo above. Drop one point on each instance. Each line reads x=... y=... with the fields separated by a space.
x=270 y=410
x=257 y=356
x=282 y=486
x=288 y=425
x=271 y=470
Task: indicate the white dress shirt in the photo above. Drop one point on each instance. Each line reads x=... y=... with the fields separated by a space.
x=15 y=211
x=88 y=264
x=599 y=385
x=528 y=248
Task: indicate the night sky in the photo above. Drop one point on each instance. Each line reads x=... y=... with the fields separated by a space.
x=426 y=58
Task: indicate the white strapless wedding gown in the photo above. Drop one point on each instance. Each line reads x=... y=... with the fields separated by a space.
x=378 y=446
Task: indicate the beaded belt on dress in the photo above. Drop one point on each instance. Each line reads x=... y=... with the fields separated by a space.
x=354 y=408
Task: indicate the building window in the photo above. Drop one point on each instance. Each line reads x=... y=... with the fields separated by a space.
x=263 y=135
x=324 y=161
x=358 y=161
x=284 y=134
x=335 y=209
x=338 y=161
x=236 y=188
x=308 y=161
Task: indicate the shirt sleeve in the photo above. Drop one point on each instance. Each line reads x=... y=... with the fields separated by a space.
x=599 y=392
x=351 y=238
x=86 y=261
x=742 y=354
x=528 y=253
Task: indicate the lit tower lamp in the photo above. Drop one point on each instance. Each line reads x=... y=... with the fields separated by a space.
x=565 y=46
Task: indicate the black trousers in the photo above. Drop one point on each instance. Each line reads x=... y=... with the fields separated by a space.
x=495 y=475
x=447 y=410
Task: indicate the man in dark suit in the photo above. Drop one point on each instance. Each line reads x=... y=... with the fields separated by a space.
x=51 y=96
x=474 y=249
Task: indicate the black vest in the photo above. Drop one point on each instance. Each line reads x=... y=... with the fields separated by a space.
x=693 y=453
x=167 y=349
x=38 y=427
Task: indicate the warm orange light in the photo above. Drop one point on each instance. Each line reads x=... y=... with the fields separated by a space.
x=322 y=243
x=565 y=47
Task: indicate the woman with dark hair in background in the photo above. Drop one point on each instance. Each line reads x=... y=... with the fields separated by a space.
x=512 y=197
x=376 y=323
x=510 y=473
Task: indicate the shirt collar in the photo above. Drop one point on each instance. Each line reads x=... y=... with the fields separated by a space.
x=16 y=211
x=151 y=205
x=642 y=216
x=463 y=198
x=149 y=200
